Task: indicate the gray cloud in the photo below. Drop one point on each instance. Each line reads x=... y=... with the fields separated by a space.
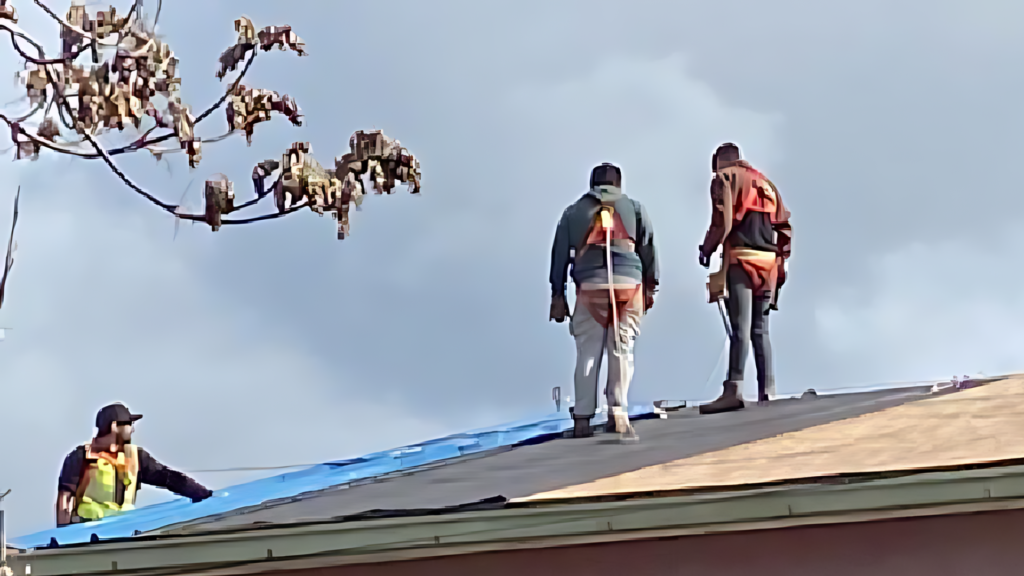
x=886 y=128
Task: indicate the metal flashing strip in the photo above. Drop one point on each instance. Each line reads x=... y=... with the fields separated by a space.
x=286 y=486
x=393 y=538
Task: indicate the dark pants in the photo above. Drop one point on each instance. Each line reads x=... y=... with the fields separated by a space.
x=748 y=316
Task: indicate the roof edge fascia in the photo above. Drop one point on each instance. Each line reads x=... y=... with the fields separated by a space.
x=388 y=539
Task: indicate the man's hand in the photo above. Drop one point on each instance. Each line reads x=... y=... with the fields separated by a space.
x=202 y=496
x=65 y=507
x=704 y=261
x=559 y=308
x=648 y=300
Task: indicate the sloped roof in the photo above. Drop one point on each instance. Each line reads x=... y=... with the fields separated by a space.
x=283 y=487
x=557 y=463
x=984 y=424
x=294 y=548
x=515 y=461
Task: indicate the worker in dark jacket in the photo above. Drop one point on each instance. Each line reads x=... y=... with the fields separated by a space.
x=102 y=477
x=608 y=240
x=751 y=224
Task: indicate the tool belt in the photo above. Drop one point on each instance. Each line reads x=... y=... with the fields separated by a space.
x=718 y=285
x=742 y=253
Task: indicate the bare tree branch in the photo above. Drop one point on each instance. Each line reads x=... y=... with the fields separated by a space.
x=9 y=259
x=117 y=92
x=121 y=175
x=16 y=32
x=67 y=25
x=206 y=113
x=292 y=210
x=141 y=143
x=159 y=8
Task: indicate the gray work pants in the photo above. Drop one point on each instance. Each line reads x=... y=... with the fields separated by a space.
x=748 y=317
x=592 y=341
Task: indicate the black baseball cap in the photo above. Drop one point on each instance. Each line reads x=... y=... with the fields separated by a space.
x=606 y=173
x=114 y=413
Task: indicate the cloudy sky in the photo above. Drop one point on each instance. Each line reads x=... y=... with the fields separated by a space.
x=891 y=127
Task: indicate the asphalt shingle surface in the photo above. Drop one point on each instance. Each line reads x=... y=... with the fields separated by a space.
x=567 y=462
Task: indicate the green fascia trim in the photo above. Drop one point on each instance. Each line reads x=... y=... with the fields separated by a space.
x=521 y=525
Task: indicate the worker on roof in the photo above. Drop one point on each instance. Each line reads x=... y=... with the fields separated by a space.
x=607 y=239
x=751 y=224
x=101 y=477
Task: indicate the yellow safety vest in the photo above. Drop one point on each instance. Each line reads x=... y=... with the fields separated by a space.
x=97 y=496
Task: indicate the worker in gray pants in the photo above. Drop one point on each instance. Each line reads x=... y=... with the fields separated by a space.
x=607 y=239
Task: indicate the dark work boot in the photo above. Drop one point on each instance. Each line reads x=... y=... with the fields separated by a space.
x=581 y=427
x=762 y=389
x=729 y=400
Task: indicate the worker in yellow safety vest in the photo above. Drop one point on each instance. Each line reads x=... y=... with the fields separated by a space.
x=102 y=477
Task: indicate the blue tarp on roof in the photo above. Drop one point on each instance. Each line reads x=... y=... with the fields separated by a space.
x=312 y=479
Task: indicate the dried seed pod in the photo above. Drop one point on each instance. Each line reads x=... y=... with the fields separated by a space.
x=220 y=199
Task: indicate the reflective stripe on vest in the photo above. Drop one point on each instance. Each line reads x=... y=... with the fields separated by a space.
x=97 y=494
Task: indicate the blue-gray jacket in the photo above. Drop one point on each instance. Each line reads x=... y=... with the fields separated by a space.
x=641 y=265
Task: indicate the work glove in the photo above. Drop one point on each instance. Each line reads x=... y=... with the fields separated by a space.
x=202 y=496
x=704 y=260
x=559 y=308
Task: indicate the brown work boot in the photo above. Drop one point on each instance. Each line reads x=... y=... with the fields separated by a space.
x=581 y=427
x=729 y=400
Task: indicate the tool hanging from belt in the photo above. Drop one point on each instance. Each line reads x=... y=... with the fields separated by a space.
x=721 y=305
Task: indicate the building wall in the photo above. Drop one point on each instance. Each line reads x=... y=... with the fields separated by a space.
x=982 y=544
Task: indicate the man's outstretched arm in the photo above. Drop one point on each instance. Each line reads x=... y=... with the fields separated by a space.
x=716 y=231
x=156 y=474
x=560 y=261
x=67 y=486
x=560 y=257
